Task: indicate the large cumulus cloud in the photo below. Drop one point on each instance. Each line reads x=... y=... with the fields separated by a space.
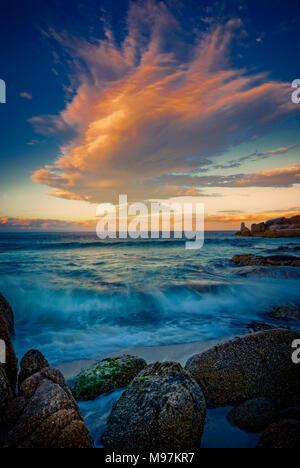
x=155 y=106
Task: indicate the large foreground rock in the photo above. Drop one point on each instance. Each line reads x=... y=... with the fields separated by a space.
x=254 y=366
x=44 y=415
x=162 y=409
x=284 y=434
x=11 y=365
x=107 y=375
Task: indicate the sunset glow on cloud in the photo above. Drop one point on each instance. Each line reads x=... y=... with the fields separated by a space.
x=157 y=101
x=142 y=113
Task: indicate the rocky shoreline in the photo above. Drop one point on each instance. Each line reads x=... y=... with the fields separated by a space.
x=164 y=405
x=274 y=228
x=37 y=408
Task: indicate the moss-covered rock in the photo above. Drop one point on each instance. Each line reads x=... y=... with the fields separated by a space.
x=106 y=375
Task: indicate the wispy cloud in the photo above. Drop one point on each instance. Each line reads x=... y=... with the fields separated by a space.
x=154 y=105
x=283 y=177
x=255 y=157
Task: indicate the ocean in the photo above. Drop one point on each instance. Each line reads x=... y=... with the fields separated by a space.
x=77 y=297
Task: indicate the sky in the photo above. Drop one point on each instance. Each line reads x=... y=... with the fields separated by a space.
x=172 y=100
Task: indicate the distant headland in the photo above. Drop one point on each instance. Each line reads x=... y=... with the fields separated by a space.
x=280 y=227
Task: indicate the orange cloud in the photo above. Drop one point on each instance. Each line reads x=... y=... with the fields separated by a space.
x=283 y=177
x=143 y=112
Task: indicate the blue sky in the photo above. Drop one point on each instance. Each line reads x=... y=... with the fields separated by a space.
x=48 y=50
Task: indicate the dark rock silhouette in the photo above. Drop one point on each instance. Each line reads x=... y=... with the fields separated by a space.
x=6 y=394
x=280 y=435
x=254 y=415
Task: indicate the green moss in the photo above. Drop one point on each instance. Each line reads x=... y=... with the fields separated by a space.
x=106 y=375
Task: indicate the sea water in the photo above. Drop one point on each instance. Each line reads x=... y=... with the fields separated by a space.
x=76 y=297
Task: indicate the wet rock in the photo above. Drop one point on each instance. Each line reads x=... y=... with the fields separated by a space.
x=254 y=415
x=106 y=375
x=44 y=415
x=283 y=434
x=32 y=362
x=7 y=313
x=254 y=366
x=285 y=313
x=11 y=365
x=292 y=413
x=273 y=260
x=163 y=408
x=259 y=326
x=296 y=248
